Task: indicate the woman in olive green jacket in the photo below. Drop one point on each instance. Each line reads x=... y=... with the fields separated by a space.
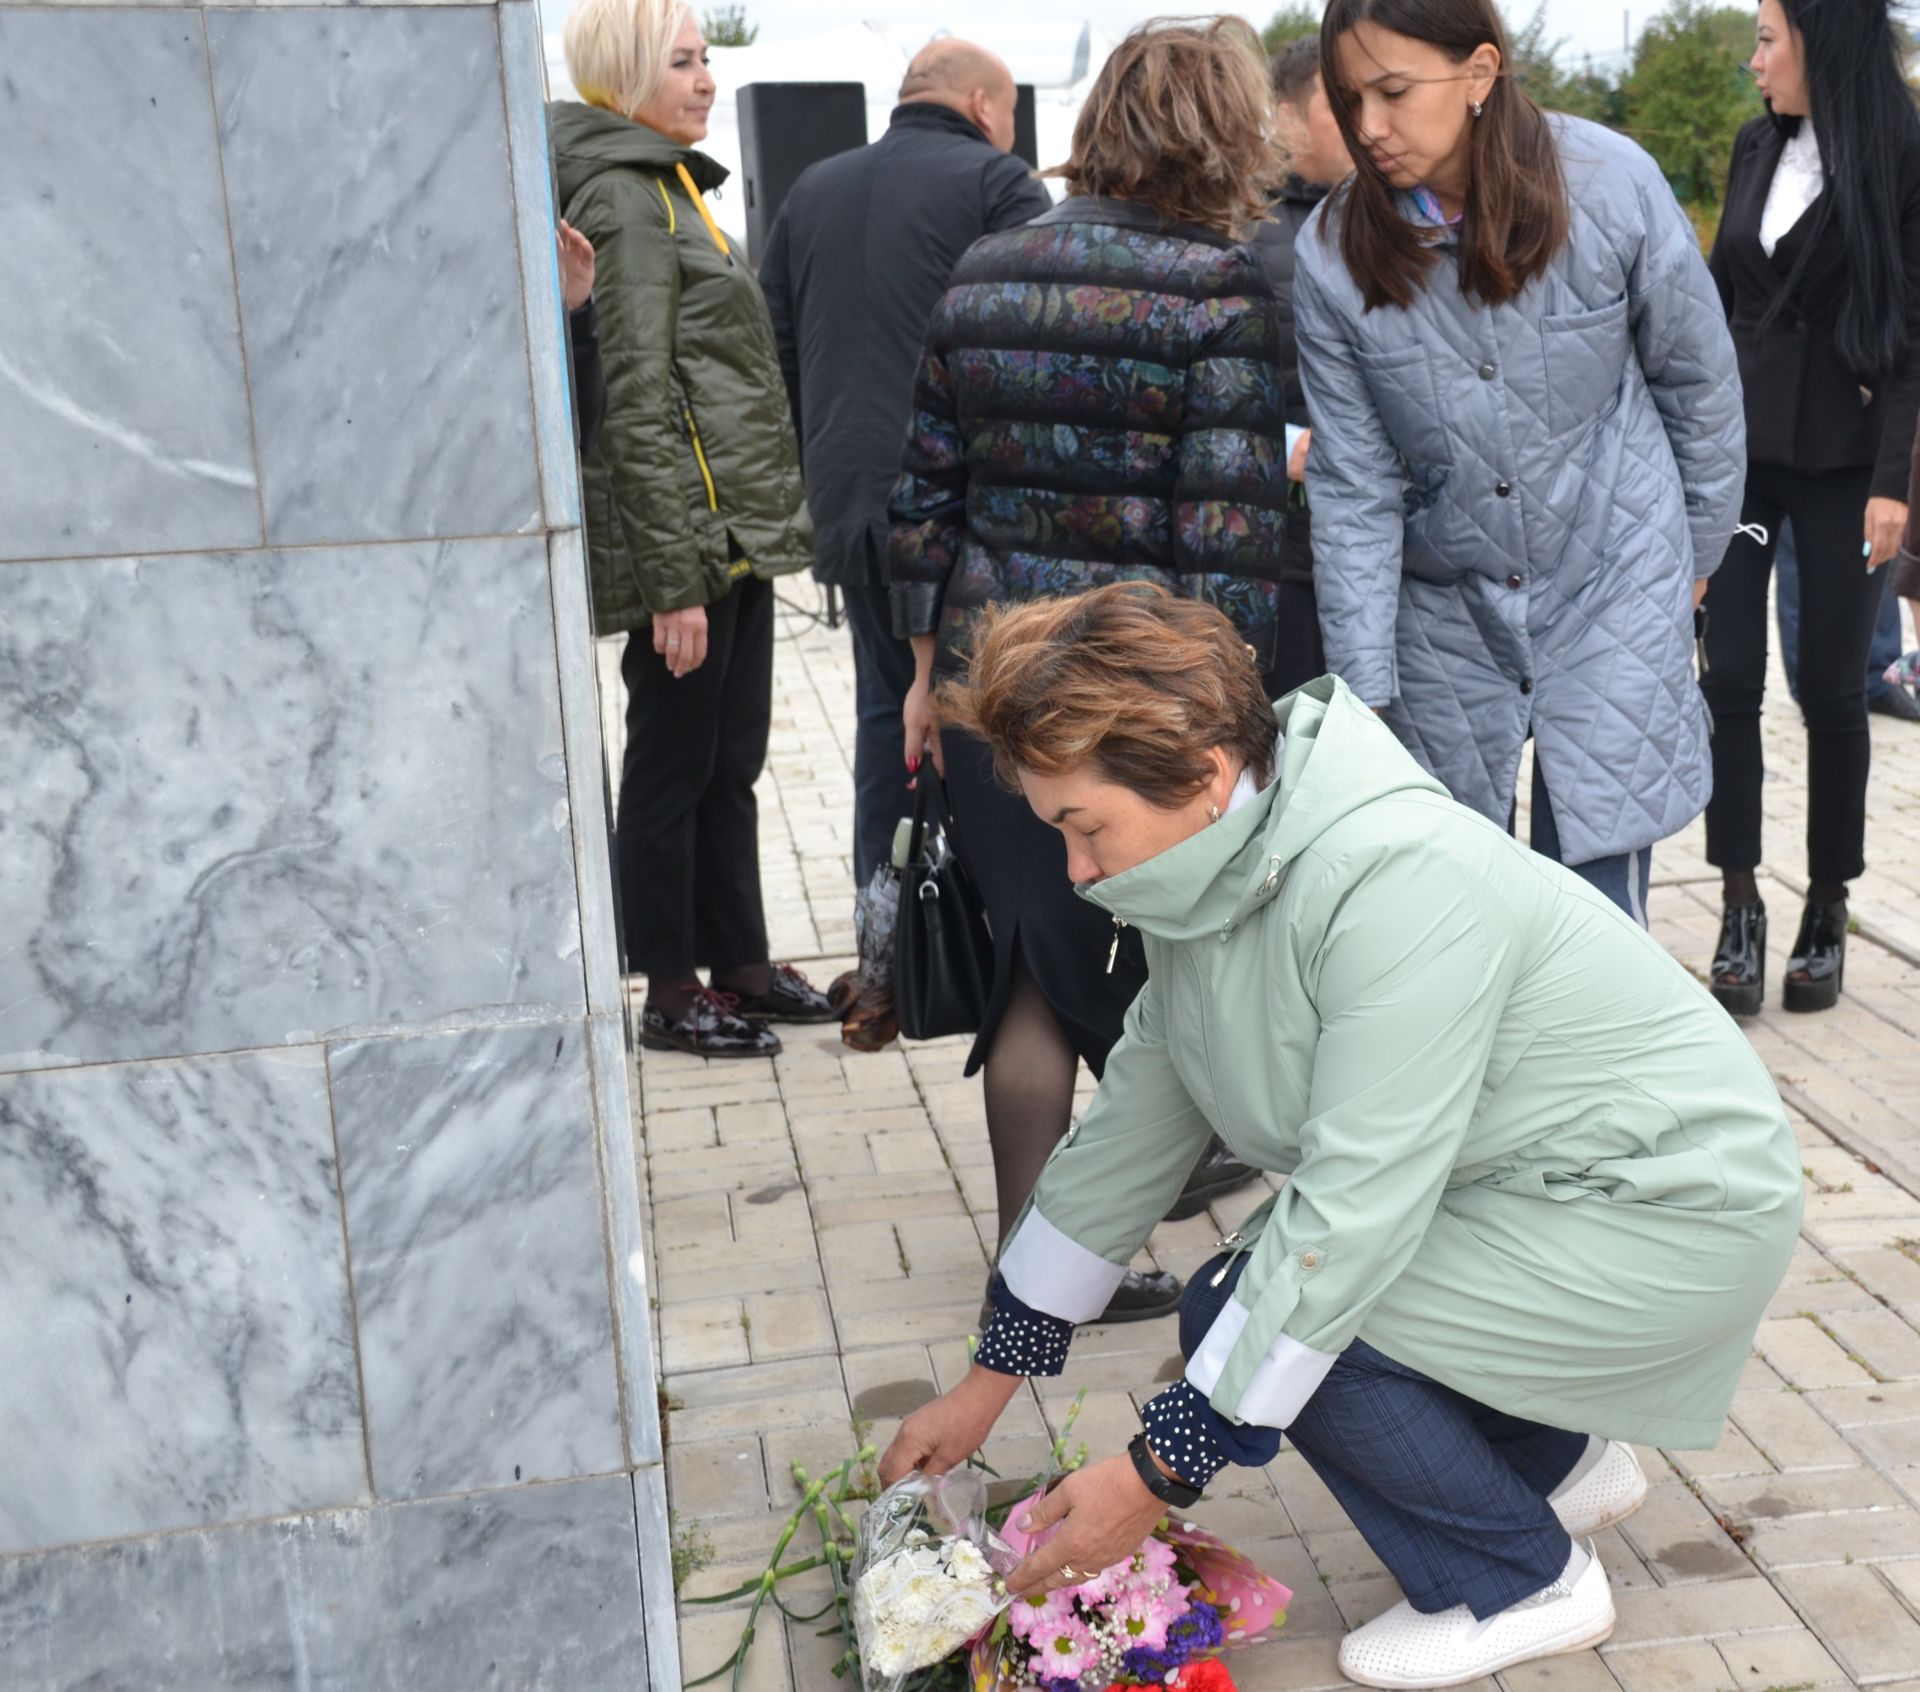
x=1539 y=1188
x=693 y=505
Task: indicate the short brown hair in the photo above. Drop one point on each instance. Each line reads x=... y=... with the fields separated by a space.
x=1127 y=678
x=1517 y=216
x=1180 y=118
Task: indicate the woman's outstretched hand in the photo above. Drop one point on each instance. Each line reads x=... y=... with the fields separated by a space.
x=950 y=1429
x=1104 y=1513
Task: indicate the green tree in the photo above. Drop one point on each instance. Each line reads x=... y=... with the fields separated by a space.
x=1535 y=65
x=727 y=26
x=1290 y=24
x=1687 y=94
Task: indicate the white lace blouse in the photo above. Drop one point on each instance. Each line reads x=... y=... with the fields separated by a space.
x=1797 y=181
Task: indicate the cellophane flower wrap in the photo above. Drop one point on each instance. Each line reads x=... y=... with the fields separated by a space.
x=1161 y=1618
x=926 y=1575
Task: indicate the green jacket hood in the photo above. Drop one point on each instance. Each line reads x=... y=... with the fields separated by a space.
x=1337 y=756
x=588 y=140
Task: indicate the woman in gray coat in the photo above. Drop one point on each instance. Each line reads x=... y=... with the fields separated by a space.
x=1528 y=445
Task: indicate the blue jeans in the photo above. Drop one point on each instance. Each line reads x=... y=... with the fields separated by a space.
x=1450 y=1495
x=1623 y=877
x=1786 y=610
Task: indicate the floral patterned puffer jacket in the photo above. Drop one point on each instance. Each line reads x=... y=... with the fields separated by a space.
x=1100 y=399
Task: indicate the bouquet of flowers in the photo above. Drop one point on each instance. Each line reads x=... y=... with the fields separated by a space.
x=1160 y=1618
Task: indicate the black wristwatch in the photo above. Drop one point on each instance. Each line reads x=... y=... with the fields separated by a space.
x=1163 y=1486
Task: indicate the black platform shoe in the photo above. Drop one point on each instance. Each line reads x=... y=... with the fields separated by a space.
x=1217 y=1173
x=709 y=1027
x=789 y=997
x=1739 y=979
x=1143 y=1295
x=1817 y=970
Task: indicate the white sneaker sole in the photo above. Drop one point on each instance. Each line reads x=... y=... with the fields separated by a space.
x=1585 y=1527
x=1581 y=1638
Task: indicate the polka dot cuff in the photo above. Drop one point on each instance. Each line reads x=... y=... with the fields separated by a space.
x=1021 y=1340
x=1180 y=1426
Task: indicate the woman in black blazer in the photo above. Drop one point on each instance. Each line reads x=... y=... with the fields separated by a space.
x=1818 y=262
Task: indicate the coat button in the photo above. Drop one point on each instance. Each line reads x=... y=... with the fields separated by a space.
x=1526 y=684
x=1486 y=372
x=1309 y=1260
x=1503 y=488
x=1514 y=582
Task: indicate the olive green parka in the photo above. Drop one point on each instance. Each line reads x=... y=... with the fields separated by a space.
x=695 y=480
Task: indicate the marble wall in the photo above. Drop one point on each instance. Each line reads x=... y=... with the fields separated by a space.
x=324 y=1327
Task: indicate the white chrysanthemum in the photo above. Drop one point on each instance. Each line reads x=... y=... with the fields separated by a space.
x=916 y=1606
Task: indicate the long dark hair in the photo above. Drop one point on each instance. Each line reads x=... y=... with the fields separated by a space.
x=1865 y=120
x=1516 y=218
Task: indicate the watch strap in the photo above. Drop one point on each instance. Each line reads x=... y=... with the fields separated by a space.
x=1163 y=1486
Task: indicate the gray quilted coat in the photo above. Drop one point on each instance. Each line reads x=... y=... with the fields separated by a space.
x=1511 y=504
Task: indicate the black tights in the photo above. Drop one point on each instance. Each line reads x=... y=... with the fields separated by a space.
x=1028 y=1080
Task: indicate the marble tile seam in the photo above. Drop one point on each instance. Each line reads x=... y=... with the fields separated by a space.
x=356 y=545
x=353 y=1297
x=456 y=1022
x=362 y=1506
x=610 y=1254
x=233 y=276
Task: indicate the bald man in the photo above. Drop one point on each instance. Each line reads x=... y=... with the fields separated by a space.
x=855 y=262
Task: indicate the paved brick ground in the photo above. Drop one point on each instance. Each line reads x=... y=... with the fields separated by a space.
x=818 y=1235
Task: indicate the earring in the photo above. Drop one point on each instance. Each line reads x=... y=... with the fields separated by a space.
x=1475 y=107
x=1213 y=813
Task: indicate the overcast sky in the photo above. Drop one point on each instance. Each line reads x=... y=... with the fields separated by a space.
x=1037 y=36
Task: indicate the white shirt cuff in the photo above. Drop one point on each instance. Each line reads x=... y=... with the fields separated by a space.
x=1054 y=1272
x=1281 y=1383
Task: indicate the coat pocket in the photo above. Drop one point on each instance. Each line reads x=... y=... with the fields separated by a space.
x=1586 y=356
x=1401 y=384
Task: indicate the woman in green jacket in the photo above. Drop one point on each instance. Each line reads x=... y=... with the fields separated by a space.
x=1539 y=1188
x=693 y=505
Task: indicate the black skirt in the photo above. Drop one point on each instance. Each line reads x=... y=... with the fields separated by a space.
x=1019 y=866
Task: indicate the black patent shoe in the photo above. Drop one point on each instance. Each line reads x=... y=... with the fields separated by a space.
x=1739 y=979
x=1142 y=1296
x=1217 y=1173
x=1817 y=970
x=789 y=997
x=709 y=1027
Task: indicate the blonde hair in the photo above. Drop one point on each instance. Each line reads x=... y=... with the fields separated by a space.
x=1180 y=118
x=617 y=50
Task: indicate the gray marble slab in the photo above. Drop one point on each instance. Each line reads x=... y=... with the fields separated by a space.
x=633 y=1303
x=588 y=785
x=656 y=1576
x=523 y=70
x=123 y=403
x=174 y=1328
x=534 y=1589
x=370 y=188
x=256 y=799
x=479 y=1266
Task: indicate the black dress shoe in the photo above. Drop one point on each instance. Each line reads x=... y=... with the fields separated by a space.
x=1893 y=701
x=709 y=1027
x=1817 y=970
x=1143 y=1296
x=789 y=997
x=1739 y=978
x=1217 y=1173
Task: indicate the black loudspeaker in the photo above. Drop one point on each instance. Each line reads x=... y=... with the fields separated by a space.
x=1026 y=128
x=784 y=127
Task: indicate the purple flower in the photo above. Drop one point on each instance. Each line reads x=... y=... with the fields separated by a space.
x=1193 y=1635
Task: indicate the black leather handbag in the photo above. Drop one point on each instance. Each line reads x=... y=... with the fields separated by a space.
x=942 y=953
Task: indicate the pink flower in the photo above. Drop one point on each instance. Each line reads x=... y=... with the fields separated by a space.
x=1028 y=1620
x=1064 y=1649
x=1139 y=1618
x=1155 y=1558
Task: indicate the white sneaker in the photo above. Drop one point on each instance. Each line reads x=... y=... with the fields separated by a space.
x=1404 y=1648
x=1609 y=1492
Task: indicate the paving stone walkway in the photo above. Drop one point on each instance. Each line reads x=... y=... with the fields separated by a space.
x=820 y=1227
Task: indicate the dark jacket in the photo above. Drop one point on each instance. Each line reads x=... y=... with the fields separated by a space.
x=1274 y=242
x=695 y=480
x=1099 y=400
x=860 y=253
x=1805 y=408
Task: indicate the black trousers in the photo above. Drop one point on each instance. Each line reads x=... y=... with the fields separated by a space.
x=882 y=674
x=688 y=831
x=1838 y=602
x=1299 y=657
